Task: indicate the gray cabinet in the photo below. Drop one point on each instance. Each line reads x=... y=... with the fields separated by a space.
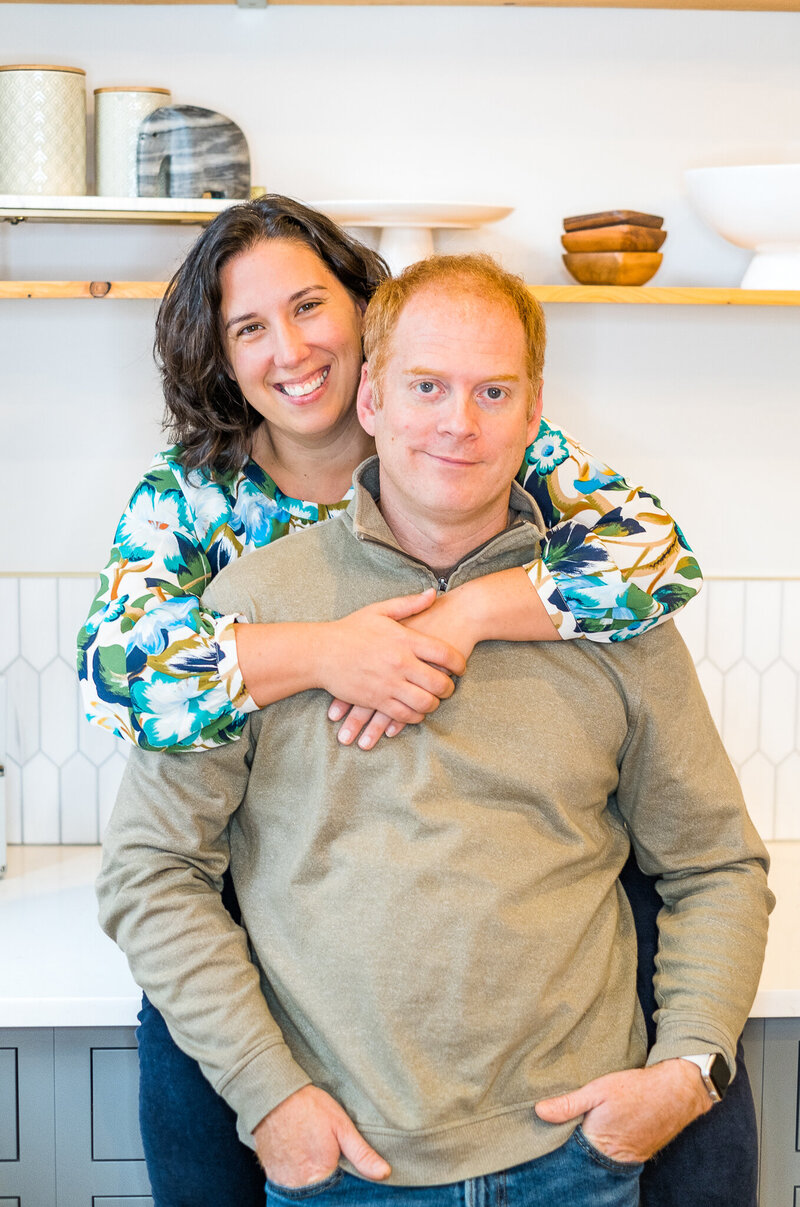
x=69 y=1134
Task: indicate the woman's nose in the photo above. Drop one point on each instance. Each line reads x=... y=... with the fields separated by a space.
x=290 y=347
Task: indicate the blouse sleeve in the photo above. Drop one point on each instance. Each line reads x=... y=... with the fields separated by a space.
x=614 y=562
x=156 y=668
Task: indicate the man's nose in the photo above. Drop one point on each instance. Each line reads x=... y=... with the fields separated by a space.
x=460 y=417
x=290 y=347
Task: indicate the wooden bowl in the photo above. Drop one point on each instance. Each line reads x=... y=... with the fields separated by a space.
x=611 y=218
x=613 y=267
x=615 y=238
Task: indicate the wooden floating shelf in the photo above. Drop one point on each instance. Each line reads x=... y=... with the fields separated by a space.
x=714 y=5
x=674 y=295
x=83 y=289
x=632 y=295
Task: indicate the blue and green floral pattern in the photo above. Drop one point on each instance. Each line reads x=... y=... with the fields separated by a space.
x=161 y=671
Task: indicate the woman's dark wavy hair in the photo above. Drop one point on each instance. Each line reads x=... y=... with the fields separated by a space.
x=205 y=411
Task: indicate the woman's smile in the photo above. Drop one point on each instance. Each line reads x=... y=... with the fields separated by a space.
x=305 y=389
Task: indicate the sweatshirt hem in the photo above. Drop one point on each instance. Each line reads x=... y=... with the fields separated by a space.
x=454 y=1153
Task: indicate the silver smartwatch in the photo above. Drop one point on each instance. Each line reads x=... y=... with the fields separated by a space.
x=715 y=1073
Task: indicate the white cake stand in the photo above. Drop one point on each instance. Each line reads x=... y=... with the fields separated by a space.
x=407 y=226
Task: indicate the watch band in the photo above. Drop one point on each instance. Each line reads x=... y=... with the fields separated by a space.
x=714 y=1071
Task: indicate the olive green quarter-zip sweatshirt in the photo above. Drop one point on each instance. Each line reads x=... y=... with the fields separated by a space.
x=435 y=932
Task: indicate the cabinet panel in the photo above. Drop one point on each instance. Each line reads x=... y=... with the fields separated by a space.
x=124 y=1200
x=28 y=1179
x=115 y=1119
x=9 y=1089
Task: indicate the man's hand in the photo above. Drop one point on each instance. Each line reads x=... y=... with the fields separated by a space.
x=300 y=1142
x=630 y=1115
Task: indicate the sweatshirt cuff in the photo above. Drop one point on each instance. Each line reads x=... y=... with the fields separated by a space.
x=263 y=1083
x=689 y=1038
x=230 y=675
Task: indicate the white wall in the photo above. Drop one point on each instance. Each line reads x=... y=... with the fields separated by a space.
x=553 y=111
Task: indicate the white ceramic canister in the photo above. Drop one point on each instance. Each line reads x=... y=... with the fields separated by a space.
x=118 y=113
x=43 y=130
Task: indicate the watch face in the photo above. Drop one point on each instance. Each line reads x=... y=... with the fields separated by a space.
x=720 y=1074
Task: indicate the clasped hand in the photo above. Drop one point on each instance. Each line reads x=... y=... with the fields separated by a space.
x=390 y=657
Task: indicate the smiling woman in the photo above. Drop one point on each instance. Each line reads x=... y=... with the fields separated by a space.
x=259 y=343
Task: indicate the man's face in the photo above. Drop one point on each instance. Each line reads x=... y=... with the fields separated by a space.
x=453 y=423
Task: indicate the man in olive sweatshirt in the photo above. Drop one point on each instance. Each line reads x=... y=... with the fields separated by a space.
x=435 y=988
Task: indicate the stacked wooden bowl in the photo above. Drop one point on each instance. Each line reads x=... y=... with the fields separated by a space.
x=616 y=247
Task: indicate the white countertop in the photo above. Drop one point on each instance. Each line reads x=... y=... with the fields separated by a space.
x=59 y=970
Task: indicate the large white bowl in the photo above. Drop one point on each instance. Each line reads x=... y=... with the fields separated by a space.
x=756 y=207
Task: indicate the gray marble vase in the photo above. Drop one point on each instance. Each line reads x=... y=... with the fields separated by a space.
x=185 y=151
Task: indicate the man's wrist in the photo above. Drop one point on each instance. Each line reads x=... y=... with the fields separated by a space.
x=714 y=1071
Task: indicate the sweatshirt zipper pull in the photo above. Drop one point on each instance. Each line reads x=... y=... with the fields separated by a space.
x=441 y=584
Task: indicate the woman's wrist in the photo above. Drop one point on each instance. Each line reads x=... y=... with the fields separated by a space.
x=277 y=660
x=505 y=606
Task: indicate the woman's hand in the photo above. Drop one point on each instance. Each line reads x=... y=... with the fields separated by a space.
x=496 y=607
x=445 y=619
x=399 y=672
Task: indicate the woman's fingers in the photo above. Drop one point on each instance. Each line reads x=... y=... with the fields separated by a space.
x=373 y=724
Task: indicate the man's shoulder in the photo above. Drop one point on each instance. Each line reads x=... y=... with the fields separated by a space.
x=652 y=668
x=277 y=572
x=656 y=653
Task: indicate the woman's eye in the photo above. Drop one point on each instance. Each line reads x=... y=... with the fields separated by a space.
x=306 y=306
x=250 y=328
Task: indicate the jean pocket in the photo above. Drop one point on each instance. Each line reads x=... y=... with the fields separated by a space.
x=295 y=1194
x=601 y=1158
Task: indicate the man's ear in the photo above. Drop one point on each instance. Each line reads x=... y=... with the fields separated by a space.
x=536 y=417
x=365 y=402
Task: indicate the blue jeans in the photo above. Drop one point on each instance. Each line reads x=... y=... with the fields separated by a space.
x=195 y=1158
x=576 y=1175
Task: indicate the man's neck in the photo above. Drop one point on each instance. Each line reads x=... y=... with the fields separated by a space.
x=443 y=542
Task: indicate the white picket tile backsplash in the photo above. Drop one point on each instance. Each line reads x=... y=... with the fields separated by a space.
x=62 y=775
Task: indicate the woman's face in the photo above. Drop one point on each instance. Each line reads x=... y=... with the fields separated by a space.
x=292 y=335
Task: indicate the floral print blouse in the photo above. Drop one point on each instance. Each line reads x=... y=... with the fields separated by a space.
x=160 y=670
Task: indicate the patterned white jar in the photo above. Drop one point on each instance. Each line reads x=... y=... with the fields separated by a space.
x=43 y=130
x=118 y=113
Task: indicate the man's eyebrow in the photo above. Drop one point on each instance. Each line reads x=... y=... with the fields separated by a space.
x=421 y=371
x=295 y=297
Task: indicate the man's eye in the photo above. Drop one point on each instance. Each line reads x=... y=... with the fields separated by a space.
x=426 y=387
x=495 y=393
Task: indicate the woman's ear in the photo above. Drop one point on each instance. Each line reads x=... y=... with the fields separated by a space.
x=365 y=402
